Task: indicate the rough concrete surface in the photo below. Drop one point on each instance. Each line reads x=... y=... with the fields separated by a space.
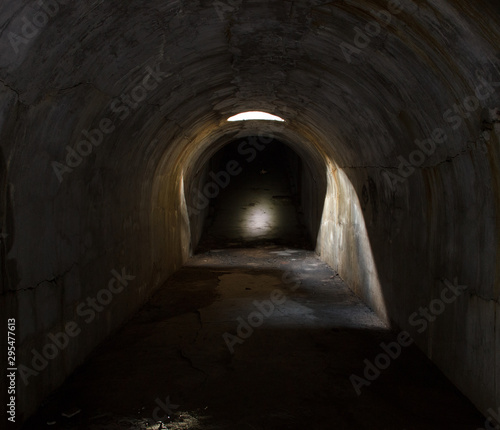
x=291 y=373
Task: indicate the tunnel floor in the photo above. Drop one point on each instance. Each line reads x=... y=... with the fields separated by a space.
x=291 y=372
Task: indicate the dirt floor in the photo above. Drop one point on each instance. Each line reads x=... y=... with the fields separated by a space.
x=179 y=363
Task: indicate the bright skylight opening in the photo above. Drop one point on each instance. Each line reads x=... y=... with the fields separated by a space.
x=254 y=115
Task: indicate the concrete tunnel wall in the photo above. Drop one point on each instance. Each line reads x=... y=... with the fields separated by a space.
x=122 y=206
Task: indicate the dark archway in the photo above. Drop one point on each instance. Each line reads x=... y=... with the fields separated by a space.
x=256 y=191
x=260 y=203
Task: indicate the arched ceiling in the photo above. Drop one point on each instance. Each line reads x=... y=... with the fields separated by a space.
x=215 y=59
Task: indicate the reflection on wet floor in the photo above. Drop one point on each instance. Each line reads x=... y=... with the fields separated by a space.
x=254 y=339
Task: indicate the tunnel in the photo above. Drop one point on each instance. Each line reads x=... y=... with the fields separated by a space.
x=117 y=140
x=257 y=191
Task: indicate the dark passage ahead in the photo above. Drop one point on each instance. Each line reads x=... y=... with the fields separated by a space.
x=261 y=205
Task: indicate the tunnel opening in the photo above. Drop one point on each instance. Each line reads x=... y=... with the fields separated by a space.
x=251 y=193
x=255 y=115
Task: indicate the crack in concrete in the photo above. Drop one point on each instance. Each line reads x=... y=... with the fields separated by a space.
x=52 y=280
x=16 y=92
x=448 y=159
x=200 y=322
x=79 y=84
x=10 y=88
x=486 y=299
x=186 y=357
